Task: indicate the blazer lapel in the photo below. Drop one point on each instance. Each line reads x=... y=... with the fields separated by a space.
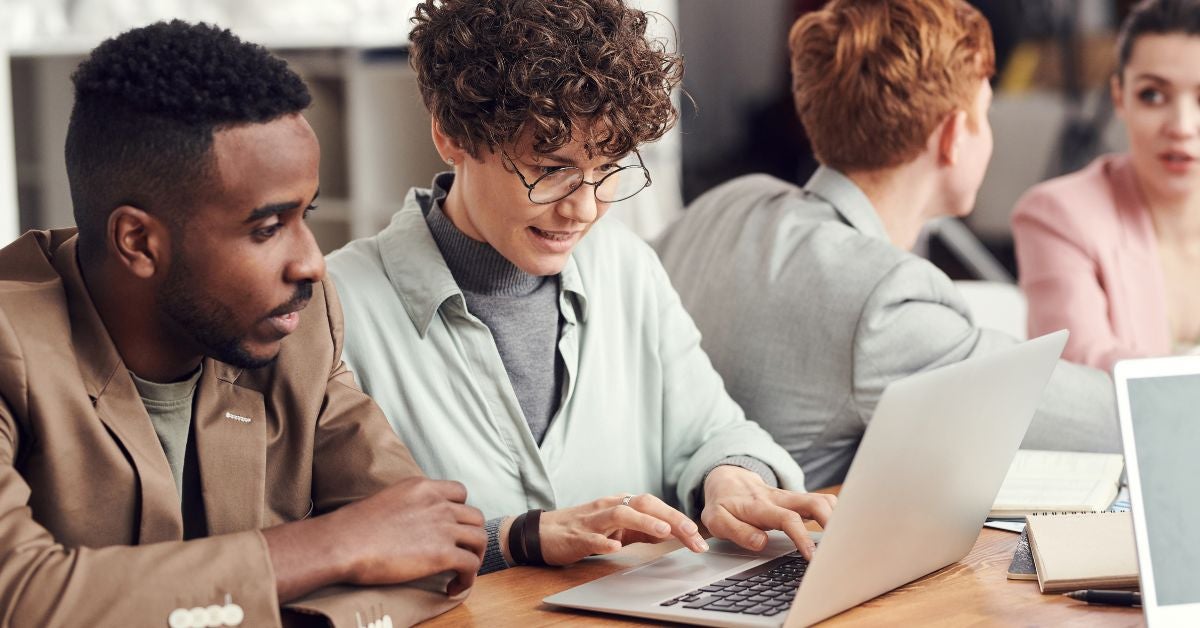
x=230 y=428
x=122 y=411
x=1139 y=264
x=119 y=406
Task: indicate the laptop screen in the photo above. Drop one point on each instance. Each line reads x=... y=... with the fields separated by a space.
x=1165 y=415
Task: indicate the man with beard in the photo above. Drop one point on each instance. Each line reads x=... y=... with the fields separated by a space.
x=180 y=442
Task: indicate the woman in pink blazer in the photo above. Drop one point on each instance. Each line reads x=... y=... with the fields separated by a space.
x=1112 y=252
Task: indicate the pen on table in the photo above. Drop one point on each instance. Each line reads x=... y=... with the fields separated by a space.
x=1115 y=598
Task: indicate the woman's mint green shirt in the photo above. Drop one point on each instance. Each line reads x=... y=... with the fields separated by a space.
x=643 y=411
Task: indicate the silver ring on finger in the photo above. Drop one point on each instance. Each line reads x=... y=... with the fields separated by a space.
x=625 y=500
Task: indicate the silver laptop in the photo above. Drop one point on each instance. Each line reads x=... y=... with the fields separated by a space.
x=1159 y=404
x=926 y=473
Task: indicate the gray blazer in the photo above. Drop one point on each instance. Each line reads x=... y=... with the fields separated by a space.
x=808 y=312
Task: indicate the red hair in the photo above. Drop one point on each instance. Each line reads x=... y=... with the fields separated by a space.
x=872 y=79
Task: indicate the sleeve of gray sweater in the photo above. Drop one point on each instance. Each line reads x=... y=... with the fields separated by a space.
x=915 y=320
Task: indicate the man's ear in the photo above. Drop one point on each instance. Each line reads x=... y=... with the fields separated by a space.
x=138 y=241
x=447 y=147
x=950 y=135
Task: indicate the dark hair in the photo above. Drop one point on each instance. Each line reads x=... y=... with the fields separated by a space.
x=1156 y=17
x=147 y=103
x=491 y=70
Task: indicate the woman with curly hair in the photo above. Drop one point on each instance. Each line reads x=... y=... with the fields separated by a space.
x=526 y=347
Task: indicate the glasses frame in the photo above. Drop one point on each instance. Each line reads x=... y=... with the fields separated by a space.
x=529 y=187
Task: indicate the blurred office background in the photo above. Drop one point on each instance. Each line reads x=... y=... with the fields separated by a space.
x=367 y=111
x=1050 y=113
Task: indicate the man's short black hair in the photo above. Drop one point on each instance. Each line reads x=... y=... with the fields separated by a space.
x=146 y=105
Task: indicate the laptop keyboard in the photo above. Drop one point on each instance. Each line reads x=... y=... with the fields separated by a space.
x=765 y=589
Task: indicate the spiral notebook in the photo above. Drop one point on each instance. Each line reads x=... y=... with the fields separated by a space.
x=1057 y=481
x=1079 y=551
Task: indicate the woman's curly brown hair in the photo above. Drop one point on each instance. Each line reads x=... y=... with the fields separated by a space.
x=491 y=71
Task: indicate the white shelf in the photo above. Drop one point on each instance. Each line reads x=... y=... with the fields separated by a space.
x=9 y=218
x=384 y=36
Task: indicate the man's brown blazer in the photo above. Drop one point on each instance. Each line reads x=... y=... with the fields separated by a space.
x=90 y=523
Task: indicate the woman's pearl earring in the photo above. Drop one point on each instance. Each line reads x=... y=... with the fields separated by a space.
x=449 y=161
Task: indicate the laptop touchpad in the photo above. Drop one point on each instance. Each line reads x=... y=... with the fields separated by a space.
x=778 y=544
x=688 y=566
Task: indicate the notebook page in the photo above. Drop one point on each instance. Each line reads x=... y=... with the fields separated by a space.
x=1058 y=481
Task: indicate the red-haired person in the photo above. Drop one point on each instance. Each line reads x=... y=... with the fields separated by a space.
x=1111 y=252
x=809 y=299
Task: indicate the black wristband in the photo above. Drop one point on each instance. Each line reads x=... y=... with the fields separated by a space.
x=532 y=532
x=516 y=541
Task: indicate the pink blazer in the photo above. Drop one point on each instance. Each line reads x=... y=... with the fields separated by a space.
x=1088 y=261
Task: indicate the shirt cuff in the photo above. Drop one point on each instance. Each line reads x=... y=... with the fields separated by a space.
x=749 y=463
x=493 y=557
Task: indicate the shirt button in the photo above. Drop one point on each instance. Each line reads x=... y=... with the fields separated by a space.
x=232 y=615
x=180 y=618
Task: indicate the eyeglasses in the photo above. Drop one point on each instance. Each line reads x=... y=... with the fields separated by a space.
x=560 y=183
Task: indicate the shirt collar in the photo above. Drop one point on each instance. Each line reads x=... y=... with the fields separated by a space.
x=572 y=284
x=417 y=270
x=848 y=200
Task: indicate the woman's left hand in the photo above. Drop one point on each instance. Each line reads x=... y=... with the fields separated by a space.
x=739 y=506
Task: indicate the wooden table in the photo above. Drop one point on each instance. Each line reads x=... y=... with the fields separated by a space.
x=971 y=592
